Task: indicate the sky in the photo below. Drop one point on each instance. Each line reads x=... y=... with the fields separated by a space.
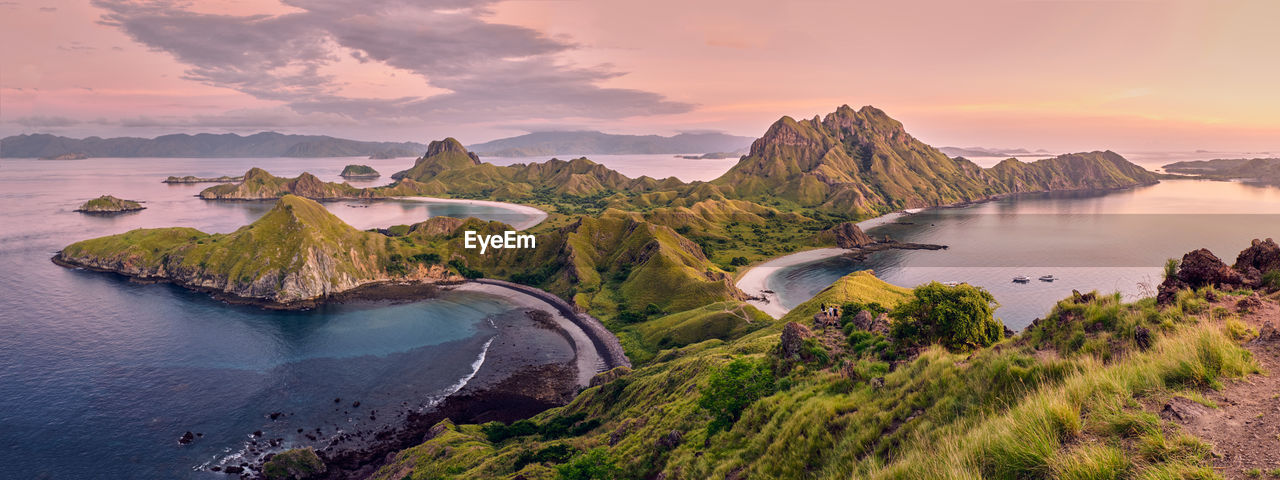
x=1063 y=75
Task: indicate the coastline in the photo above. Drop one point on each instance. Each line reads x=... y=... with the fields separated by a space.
x=755 y=280
x=538 y=215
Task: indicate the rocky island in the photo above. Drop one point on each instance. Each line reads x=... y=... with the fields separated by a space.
x=107 y=204
x=359 y=172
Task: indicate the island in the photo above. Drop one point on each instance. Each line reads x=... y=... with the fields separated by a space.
x=359 y=172
x=108 y=204
x=1264 y=171
x=67 y=156
x=195 y=179
x=710 y=156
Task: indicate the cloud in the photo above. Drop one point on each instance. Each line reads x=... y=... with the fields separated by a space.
x=491 y=71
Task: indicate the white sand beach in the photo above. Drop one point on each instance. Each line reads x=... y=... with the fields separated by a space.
x=756 y=280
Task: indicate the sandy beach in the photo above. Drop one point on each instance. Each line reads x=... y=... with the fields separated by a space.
x=536 y=215
x=756 y=280
x=588 y=360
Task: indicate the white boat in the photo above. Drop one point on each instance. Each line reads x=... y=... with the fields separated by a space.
x=951 y=284
x=1021 y=279
x=1048 y=278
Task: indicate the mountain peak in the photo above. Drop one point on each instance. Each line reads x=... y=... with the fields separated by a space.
x=448 y=145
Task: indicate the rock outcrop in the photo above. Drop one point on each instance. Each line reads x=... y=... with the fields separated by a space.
x=791 y=346
x=1201 y=268
x=848 y=235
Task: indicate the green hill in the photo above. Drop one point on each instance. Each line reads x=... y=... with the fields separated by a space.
x=295 y=254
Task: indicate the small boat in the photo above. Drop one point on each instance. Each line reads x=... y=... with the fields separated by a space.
x=951 y=284
x=1048 y=278
x=1021 y=279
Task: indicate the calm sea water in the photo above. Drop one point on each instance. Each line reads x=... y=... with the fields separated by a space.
x=1109 y=242
x=99 y=376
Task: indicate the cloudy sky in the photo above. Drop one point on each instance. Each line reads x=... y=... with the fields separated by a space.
x=1054 y=74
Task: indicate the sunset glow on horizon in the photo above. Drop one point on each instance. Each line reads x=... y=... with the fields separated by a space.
x=1059 y=75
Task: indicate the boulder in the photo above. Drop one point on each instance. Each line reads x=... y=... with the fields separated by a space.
x=792 y=343
x=863 y=320
x=1262 y=256
x=1268 y=334
x=1201 y=268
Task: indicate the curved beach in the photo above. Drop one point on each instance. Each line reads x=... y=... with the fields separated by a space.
x=536 y=214
x=755 y=281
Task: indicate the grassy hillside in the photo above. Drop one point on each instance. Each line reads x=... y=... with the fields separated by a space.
x=1022 y=408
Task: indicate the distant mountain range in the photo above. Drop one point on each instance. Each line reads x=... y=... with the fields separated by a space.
x=264 y=144
x=597 y=143
x=990 y=152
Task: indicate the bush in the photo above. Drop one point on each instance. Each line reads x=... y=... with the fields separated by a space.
x=734 y=388
x=595 y=464
x=958 y=318
x=1170 y=268
x=464 y=270
x=739 y=261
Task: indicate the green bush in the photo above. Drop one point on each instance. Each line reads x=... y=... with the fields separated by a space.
x=1170 y=268
x=593 y=465
x=959 y=318
x=734 y=388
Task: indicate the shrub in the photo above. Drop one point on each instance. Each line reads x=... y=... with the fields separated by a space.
x=1170 y=268
x=734 y=388
x=739 y=261
x=958 y=318
x=593 y=465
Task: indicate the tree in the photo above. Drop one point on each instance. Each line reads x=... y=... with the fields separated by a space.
x=958 y=318
x=732 y=389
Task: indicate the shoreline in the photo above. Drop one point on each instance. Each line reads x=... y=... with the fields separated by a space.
x=538 y=214
x=756 y=279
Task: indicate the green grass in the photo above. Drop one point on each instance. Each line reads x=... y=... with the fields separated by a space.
x=1007 y=411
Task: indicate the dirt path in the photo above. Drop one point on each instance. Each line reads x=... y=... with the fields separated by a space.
x=1245 y=428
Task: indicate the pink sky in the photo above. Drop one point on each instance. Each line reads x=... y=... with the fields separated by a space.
x=1059 y=75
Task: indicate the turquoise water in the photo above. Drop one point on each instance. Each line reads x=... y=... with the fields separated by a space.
x=99 y=376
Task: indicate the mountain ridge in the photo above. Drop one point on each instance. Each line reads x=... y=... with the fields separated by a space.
x=201 y=145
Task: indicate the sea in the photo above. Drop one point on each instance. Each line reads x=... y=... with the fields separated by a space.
x=99 y=376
